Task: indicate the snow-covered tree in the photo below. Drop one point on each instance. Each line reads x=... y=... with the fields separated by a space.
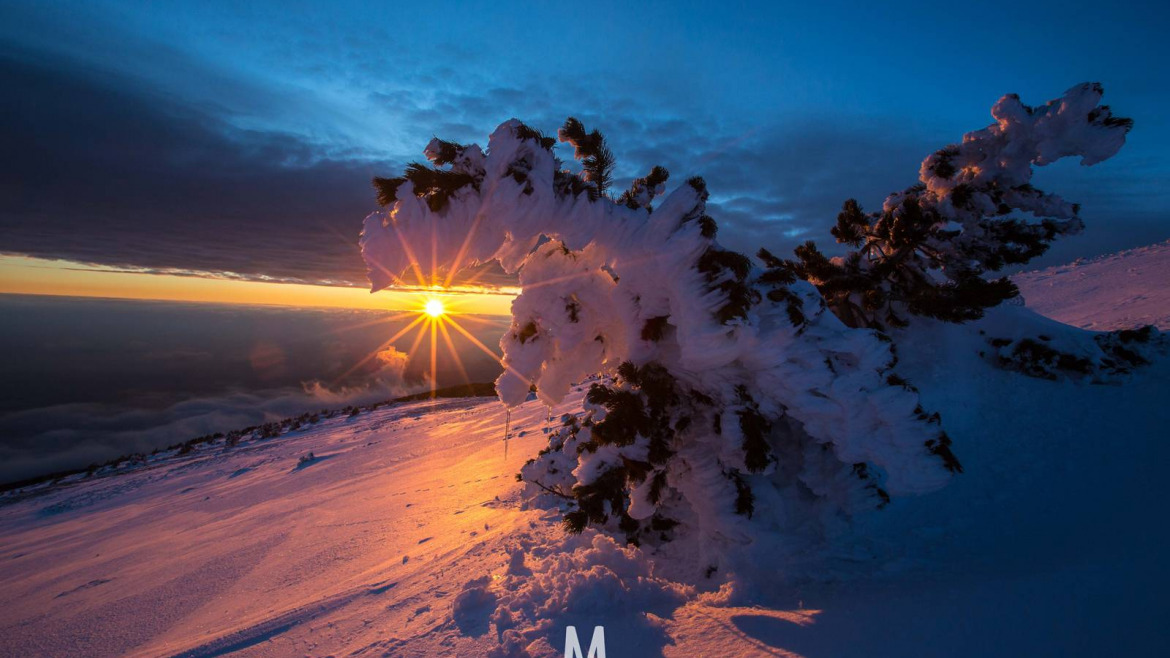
x=721 y=383
x=957 y=221
x=726 y=395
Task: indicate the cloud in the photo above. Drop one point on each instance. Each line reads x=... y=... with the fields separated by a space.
x=387 y=379
x=75 y=435
x=118 y=170
x=779 y=185
x=96 y=171
x=86 y=380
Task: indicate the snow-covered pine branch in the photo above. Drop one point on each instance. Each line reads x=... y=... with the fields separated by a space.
x=927 y=251
x=728 y=392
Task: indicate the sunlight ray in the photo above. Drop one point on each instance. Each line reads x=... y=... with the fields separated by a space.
x=434 y=358
x=418 y=273
x=442 y=322
x=480 y=320
x=378 y=349
x=434 y=255
x=458 y=262
x=481 y=346
x=422 y=332
x=474 y=278
x=570 y=277
x=349 y=242
x=369 y=323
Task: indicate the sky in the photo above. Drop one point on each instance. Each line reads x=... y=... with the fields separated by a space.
x=235 y=141
x=221 y=153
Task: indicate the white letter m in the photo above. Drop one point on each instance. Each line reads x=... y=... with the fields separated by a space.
x=596 y=645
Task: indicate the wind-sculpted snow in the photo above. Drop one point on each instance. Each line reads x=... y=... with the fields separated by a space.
x=751 y=358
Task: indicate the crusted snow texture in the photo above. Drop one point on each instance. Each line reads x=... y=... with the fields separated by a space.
x=604 y=283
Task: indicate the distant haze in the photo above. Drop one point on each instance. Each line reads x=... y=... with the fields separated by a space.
x=89 y=379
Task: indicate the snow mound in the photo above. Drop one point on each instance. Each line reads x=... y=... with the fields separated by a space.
x=585 y=577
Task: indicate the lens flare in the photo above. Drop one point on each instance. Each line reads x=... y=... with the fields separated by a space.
x=433 y=317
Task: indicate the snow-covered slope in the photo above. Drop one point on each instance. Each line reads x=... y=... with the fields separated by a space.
x=407 y=536
x=1117 y=291
x=228 y=550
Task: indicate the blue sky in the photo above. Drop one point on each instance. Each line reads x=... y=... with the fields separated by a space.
x=241 y=136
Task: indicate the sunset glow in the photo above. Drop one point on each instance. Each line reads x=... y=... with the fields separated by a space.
x=433 y=308
x=24 y=275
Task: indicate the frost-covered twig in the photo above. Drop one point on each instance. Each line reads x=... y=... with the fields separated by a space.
x=556 y=492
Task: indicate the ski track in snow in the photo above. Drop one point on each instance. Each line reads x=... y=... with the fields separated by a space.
x=407 y=536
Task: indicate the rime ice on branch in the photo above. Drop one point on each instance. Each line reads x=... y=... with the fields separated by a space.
x=956 y=220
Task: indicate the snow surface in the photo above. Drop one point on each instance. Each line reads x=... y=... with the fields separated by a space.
x=1116 y=291
x=407 y=535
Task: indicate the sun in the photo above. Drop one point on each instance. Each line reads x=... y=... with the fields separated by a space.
x=441 y=321
x=434 y=308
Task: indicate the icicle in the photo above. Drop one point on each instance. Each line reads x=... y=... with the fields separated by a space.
x=507 y=428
